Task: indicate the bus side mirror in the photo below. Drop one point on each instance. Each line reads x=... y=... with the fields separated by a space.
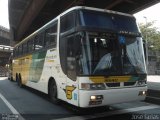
x=77 y=45
x=145 y=50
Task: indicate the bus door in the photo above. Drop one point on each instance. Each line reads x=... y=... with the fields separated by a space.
x=71 y=81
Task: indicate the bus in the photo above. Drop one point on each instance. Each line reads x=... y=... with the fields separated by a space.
x=86 y=56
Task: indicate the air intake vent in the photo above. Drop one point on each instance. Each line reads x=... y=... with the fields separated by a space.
x=129 y=83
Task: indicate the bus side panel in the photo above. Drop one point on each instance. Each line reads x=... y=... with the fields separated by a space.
x=16 y=68
x=35 y=79
x=53 y=69
x=44 y=66
x=37 y=66
x=21 y=67
x=25 y=66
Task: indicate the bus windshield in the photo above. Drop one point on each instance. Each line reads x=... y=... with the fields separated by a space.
x=110 y=54
x=109 y=44
x=108 y=21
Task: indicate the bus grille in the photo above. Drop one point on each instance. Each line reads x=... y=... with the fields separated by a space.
x=118 y=84
x=113 y=84
x=129 y=83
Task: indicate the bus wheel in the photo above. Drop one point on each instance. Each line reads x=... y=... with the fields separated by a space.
x=19 y=81
x=16 y=77
x=53 y=92
x=11 y=79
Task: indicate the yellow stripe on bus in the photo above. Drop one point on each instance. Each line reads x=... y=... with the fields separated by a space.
x=22 y=66
x=110 y=79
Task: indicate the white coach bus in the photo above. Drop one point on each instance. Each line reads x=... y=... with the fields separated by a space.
x=86 y=56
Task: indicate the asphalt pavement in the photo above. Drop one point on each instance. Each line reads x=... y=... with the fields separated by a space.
x=153 y=83
x=28 y=104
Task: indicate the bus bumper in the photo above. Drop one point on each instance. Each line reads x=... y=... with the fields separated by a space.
x=94 y=98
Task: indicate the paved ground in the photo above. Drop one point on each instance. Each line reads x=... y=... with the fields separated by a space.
x=27 y=104
x=153 y=82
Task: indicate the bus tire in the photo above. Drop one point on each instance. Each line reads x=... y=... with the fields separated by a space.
x=11 y=79
x=17 y=78
x=19 y=81
x=52 y=91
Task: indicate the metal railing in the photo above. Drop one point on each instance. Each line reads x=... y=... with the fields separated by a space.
x=3 y=71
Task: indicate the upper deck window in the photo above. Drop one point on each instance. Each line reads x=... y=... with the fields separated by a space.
x=96 y=19
x=109 y=21
x=125 y=23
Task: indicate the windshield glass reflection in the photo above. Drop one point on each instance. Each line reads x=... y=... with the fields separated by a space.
x=110 y=54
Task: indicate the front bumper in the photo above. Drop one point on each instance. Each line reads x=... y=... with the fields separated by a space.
x=110 y=96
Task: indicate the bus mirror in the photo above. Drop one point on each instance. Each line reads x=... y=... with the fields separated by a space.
x=145 y=50
x=82 y=34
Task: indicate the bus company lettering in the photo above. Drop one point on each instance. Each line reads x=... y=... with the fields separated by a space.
x=110 y=79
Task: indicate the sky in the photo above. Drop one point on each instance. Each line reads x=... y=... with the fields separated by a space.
x=147 y=15
x=4 y=13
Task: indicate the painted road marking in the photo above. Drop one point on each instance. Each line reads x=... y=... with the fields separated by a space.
x=13 y=110
x=106 y=114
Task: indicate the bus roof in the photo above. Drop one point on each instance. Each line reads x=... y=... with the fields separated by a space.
x=95 y=9
x=71 y=9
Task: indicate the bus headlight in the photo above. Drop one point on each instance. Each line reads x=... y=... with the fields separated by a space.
x=141 y=83
x=93 y=86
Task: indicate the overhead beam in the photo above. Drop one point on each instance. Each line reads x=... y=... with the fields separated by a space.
x=130 y=1
x=31 y=13
x=75 y=3
x=113 y=4
x=110 y=6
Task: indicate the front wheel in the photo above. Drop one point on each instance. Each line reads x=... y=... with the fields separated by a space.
x=53 y=92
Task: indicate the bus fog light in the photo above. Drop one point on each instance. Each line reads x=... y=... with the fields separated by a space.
x=142 y=93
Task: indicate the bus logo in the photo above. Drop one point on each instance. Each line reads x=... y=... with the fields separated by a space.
x=69 y=90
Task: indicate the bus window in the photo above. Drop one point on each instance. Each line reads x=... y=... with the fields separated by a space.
x=30 y=45
x=20 y=50
x=38 y=41
x=25 y=49
x=71 y=62
x=15 y=52
x=51 y=35
x=41 y=39
x=67 y=22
